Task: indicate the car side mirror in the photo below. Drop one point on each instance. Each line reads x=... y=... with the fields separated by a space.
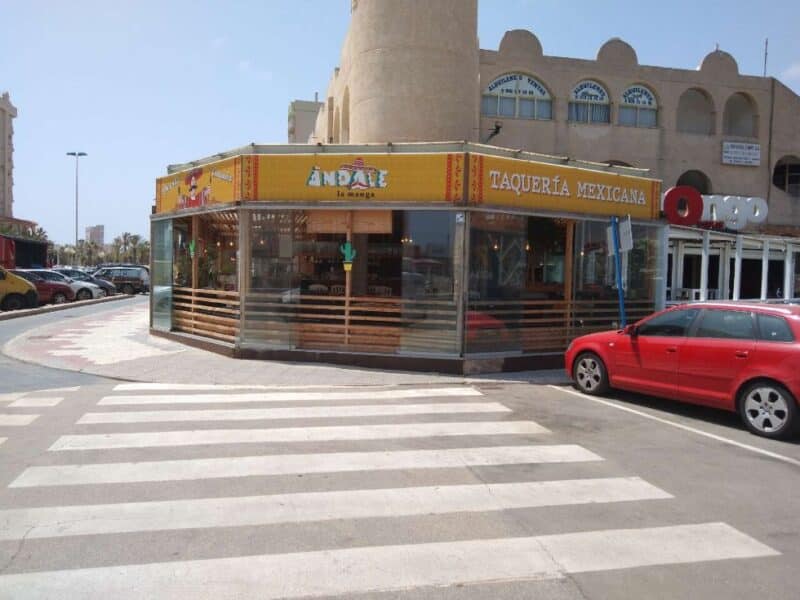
x=631 y=330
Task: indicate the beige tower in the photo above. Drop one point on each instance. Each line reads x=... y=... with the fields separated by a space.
x=408 y=73
x=7 y=113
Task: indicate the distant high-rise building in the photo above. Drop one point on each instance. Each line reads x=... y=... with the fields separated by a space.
x=96 y=234
x=7 y=113
x=302 y=117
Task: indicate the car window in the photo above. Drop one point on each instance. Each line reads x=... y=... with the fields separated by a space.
x=674 y=323
x=774 y=329
x=726 y=324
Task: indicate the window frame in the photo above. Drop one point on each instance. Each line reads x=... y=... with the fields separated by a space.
x=576 y=103
x=638 y=108
x=497 y=96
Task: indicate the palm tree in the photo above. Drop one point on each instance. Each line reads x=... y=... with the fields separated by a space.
x=135 y=242
x=126 y=244
x=116 y=248
x=144 y=252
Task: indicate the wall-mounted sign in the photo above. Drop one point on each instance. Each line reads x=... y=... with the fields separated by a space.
x=214 y=183
x=741 y=154
x=639 y=96
x=517 y=84
x=590 y=91
x=524 y=184
x=684 y=205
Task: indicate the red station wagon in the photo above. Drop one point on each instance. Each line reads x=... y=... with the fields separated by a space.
x=742 y=357
x=49 y=291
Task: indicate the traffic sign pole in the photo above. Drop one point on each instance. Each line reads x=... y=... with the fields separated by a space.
x=618 y=265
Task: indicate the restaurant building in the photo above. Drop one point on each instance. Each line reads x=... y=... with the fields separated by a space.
x=454 y=257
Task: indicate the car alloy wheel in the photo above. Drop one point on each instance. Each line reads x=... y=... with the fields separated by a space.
x=590 y=374
x=102 y=293
x=84 y=294
x=128 y=289
x=59 y=298
x=768 y=409
x=13 y=302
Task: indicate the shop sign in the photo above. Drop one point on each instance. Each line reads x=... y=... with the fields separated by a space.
x=198 y=187
x=408 y=178
x=741 y=154
x=590 y=91
x=639 y=96
x=517 y=84
x=525 y=184
x=684 y=205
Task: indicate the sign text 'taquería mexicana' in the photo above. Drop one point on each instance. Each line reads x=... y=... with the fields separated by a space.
x=524 y=183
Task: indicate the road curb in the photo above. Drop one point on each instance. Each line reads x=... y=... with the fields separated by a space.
x=29 y=312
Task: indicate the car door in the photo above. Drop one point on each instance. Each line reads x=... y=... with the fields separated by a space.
x=646 y=360
x=718 y=350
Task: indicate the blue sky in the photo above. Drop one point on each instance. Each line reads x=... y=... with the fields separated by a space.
x=138 y=85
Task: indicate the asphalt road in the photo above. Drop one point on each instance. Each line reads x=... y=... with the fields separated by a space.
x=490 y=490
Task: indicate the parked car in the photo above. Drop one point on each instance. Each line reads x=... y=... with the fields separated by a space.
x=50 y=292
x=16 y=292
x=741 y=357
x=79 y=275
x=83 y=289
x=129 y=280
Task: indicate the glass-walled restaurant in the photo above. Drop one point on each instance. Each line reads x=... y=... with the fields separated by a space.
x=441 y=261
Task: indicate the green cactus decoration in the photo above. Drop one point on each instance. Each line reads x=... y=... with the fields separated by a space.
x=348 y=252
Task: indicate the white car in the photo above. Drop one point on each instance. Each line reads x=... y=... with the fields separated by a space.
x=84 y=290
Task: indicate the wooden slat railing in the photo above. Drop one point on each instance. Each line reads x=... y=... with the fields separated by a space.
x=358 y=324
x=532 y=326
x=210 y=313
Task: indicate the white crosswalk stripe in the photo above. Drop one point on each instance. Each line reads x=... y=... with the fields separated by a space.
x=297 y=412
x=36 y=402
x=318 y=506
x=199 y=457
x=399 y=394
x=105 y=441
x=386 y=568
x=290 y=464
x=12 y=420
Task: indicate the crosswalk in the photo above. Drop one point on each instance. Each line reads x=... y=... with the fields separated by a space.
x=170 y=460
x=45 y=398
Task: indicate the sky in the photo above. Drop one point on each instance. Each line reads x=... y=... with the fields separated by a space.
x=138 y=85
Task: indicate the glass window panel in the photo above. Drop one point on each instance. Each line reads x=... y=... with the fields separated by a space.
x=725 y=324
x=527 y=108
x=774 y=329
x=161 y=292
x=489 y=106
x=544 y=109
x=671 y=324
x=507 y=107
x=578 y=112
x=627 y=115
x=600 y=113
x=648 y=117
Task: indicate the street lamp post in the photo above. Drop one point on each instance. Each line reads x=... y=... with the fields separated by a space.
x=77 y=155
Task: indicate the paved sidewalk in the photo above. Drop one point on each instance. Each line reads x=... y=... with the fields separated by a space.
x=117 y=344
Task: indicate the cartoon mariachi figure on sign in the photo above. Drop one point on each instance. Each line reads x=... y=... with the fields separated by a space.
x=195 y=197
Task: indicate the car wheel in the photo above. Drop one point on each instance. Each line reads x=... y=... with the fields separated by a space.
x=589 y=374
x=59 y=298
x=128 y=289
x=84 y=294
x=13 y=302
x=768 y=409
x=102 y=293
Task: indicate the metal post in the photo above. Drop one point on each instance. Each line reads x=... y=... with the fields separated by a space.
x=788 y=272
x=618 y=267
x=737 y=268
x=764 y=268
x=704 y=266
x=77 y=155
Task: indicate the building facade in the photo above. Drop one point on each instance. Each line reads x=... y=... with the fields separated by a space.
x=7 y=113
x=302 y=117
x=733 y=138
x=96 y=234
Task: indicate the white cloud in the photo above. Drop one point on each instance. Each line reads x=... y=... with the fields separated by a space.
x=792 y=73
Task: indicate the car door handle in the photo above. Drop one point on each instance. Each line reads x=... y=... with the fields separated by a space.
x=741 y=354
x=672 y=349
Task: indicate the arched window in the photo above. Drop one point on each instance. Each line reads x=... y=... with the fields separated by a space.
x=786 y=175
x=638 y=107
x=696 y=112
x=696 y=179
x=740 y=116
x=517 y=95
x=589 y=103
